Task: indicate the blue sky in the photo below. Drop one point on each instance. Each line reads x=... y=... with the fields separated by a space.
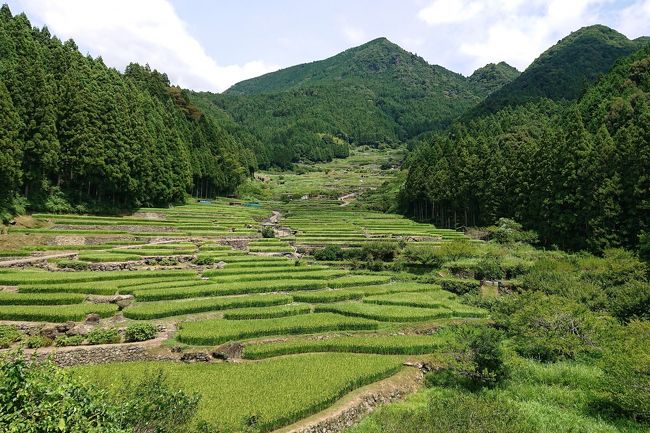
x=210 y=45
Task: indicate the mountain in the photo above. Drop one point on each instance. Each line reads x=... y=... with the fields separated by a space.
x=565 y=70
x=492 y=77
x=371 y=94
x=576 y=172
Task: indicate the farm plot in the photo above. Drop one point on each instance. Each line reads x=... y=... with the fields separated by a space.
x=276 y=392
x=211 y=332
x=365 y=343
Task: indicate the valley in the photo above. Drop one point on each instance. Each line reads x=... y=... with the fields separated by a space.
x=367 y=243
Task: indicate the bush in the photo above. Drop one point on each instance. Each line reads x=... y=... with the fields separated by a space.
x=508 y=231
x=139 y=332
x=630 y=301
x=436 y=256
x=379 y=251
x=40 y=397
x=489 y=268
x=268 y=232
x=627 y=370
x=77 y=265
x=36 y=341
x=69 y=340
x=329 y=253
x=151 y=405
x=204 y=260
x=551 y=328
x=478 y=359
x=103 y=336
x=8 y=335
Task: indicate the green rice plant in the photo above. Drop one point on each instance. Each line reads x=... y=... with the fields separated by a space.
x=433 y=299
x=366 y=343
x=289 y=267
x=155 y=310
x=267 y=312
x=219 y=331
x=61 y=313
x=325 y=296
x=385 y=313
x=243 y=287
x=32 y=277
x=268 y=276
x=249 y=391
x=271 y=249
x=10 y=298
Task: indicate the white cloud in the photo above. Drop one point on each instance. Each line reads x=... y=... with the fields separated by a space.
x=450 y=11
x=516 y=31
x=354 y=35
x=143 y=31
x=634 y=20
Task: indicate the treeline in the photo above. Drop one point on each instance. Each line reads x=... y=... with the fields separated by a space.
x=578 y=173
x=77 y=135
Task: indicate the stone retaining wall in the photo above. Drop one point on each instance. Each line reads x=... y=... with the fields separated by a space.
x=103 y=355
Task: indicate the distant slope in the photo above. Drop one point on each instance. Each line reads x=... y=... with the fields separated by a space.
x=371 y=94
x=565 y=70
x=492 y=77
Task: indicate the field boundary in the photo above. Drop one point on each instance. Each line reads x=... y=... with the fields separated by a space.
x=356 y=405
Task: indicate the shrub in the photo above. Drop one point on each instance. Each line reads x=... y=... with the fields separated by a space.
x=627 y=370
x=40 y=397
x=36 y=341
x=458 y=286
x=73 y=264
x=329 y=253
x=379 y=251
x=478 y=359
x=8 y=335
x=551 y=328
x=268 y=232
x=139 y=332
x=489 y=268
x=508 y=231
x=103 y=336
x=69 y=340
x=151 y=405
x=204 y=260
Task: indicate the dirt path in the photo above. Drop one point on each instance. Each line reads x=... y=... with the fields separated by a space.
x=348 y=198
x=35 y=259
x=354 y=406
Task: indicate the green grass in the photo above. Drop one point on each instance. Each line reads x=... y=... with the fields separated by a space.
x=59 y=313
x=277 y=391
x=9 y=298
x=325 y=296
x=434 y=299
x=155 y=310
x=385 y=313
x=210 y=332
x=34 y=277
x=267 y=312
x=367 y=343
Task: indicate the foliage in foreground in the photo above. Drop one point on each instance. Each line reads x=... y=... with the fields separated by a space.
x=39 y=397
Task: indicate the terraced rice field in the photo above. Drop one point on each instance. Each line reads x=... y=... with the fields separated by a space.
x=204 y=273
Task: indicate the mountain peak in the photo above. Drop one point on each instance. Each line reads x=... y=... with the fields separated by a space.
x=563 y=71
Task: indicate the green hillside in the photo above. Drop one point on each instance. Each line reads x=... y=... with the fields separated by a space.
x=371 y=94
x=564 y=71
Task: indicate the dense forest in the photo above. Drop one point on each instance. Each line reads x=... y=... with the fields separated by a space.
x=77 y=135
x=564 y=71
x=576 y=172
x=373 y=94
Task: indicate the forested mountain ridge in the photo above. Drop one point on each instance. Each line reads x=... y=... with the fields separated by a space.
x=371 y=94
x=565 y=70
x=75 y=132
x=575 y=172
